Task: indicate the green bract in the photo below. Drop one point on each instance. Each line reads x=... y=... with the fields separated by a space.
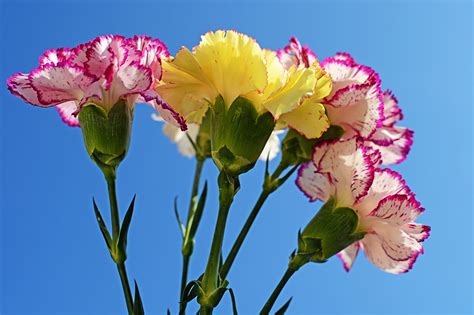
x=238 y=135
x=106 y=135
x=330 y=231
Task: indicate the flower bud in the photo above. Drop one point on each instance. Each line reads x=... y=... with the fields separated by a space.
x=238 y=135
x=330 y=231
x=106 y=134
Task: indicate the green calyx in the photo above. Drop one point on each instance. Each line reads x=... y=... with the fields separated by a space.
x=297 y=149
x=238 y=135
x=106 y=134
x=202 y=145
x=331 y=230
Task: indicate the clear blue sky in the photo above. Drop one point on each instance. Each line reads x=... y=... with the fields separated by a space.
x=53 y=258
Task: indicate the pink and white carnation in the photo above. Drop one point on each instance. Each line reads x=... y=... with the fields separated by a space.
x=356 y=100
x=101 y=72
x=347 y=171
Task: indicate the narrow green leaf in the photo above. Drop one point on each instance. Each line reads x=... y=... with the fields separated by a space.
x=137 y=303
x=198 y=212
x=122 y=242
x=178 y=218
x=102 y=226
x=191 y=291
x=234 y=303
x=284 y=308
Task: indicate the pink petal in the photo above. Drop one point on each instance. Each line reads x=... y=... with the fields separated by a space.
x=102 y=52
x=349 y=255
x=58 y=84
x=68 y=113
x=20 y=85
x=397 y=210
x=344 y=56
x=314 y=185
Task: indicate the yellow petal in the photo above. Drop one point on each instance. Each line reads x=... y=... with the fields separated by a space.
x=300 y=82
x=234 y=63
x=323 y=85
x=185 y=87
x=309 y=119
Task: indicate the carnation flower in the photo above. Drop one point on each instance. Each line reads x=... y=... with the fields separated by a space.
x=387 y=208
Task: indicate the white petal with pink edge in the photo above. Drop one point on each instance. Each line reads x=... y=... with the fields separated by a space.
x=61 y=83
x=68 y=112
x=20 y=85
x=314 y=185
x=393 y=143
x=348 y=255
x=397 y=210
x=391 y=249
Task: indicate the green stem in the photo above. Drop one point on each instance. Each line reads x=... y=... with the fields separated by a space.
x=126 y=287
x=243 y=234
x=227 y=190
x=187 y=250
x=110 y=178
x=276 y=292
x=267 y=190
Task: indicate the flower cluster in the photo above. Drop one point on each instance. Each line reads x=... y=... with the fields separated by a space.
x=101 y=72
x=348 y=170
x=228 y=99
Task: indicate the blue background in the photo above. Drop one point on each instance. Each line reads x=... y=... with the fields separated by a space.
x=53 y=258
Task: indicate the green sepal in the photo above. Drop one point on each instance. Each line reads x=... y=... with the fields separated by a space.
x=238 y=134
x=106 y=134
x=178 y=218
x=203 y=139
x=194 y=220
x=137 y=302
x=102 y=226
x=123 y=236
x=284 y=308
x=297 y=149
x=330 y=231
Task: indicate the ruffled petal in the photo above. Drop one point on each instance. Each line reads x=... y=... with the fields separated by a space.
x=349 y=255
x=233 y=62
x=358 y=110
x=344 y=56
x=185 y=86
x=391 y=250
x=419 y=232
x=392 y=113
x=393 y=143
x=68 y=113
x=397 y=210
x=58 y=84
x=385 y=183
x=316 y=186
x=20 y=85
x=350 y=167
x=309 y=119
